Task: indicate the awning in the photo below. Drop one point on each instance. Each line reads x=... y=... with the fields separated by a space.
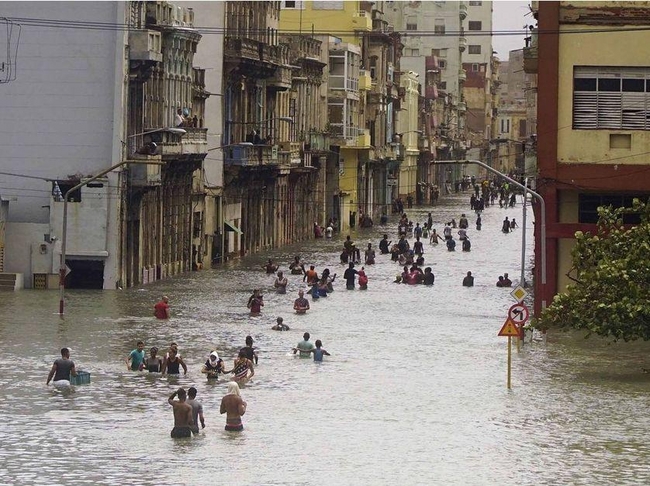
x=231 y=227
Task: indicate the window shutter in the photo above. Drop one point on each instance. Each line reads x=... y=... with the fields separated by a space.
x=609 y=110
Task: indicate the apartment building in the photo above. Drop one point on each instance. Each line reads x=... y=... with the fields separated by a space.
x=104 y=101
x=363 y=95
x=163 y=228
x=63 y=120
x=270 y=195
x=594 y=131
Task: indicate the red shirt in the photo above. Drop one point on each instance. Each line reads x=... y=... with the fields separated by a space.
x=160 y=310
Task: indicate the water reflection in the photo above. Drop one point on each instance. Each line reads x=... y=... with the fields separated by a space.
x=414 y=390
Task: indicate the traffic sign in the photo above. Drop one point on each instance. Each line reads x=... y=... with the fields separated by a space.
x=519 y=294
x=509 y=329
x=518 y=314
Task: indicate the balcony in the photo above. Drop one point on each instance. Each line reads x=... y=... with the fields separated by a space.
x=253 y=155
x=194 y=142
x=462 y=10
x=531 y=54
x=253 y=57
x=145 y=175
x=363 y=138
x=462 y=43
x=462 y=76
x=362 y=22
x=317 y=142
x=165 y=14
x=281 y=79
x=289 y=153
x=379 y=26
x=145 y=45
x=365 y=81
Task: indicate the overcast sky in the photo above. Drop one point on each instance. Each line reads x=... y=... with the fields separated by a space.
x=508 y=15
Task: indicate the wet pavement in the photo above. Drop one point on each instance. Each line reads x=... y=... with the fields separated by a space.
x=414 y=392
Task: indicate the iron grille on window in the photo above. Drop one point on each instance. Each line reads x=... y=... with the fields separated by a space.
x=611 y=98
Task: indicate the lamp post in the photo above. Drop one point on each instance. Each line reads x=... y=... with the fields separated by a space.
x=526 y=190
x=64 y=235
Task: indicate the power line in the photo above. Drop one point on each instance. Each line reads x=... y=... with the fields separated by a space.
x=108 y=26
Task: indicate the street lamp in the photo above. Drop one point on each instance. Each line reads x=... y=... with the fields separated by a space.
x=151 y=147
x=526 y=190
x=64 y=235
x=410 y=131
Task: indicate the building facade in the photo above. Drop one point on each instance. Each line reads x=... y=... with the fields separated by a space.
x=69 y=91
x=270 y=192
x=362 y=96
x=594 y=133
x=129 y=99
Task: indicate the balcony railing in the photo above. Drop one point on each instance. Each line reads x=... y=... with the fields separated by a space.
x=252 y=155
x=316 y=142
x=281 y=78
x=252 y=50
x=362 y=21
x=194 y=141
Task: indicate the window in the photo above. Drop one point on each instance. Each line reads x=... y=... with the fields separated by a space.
x=439 y=26
x=442 y=63
x=476 y=49
x=522 y=128
x=475 y=3
x=475 y=25
x=611 y=98
x=413 y=52
x=505 y=125
x=323 y=5
x=588 y=205
x=290 y=4
x=443 y=85
x=412 y=22
x=475 y=68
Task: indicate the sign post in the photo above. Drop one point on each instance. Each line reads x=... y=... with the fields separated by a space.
x=509 y=329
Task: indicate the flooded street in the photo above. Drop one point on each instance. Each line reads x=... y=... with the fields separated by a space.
x=414 y=392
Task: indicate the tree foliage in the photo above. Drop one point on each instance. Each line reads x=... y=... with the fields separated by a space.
x=610 y=295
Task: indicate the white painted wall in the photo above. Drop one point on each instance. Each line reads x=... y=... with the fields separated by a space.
x=208 y=17
x=18 y=249
x=63 y=114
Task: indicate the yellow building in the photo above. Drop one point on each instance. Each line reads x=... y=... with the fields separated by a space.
x=408 y=133
x=351 y=92
x=593 y=119
x=347 y=85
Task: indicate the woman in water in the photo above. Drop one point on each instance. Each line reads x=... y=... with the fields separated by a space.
x=213 y=366
x=241 y=367
x=153 y=363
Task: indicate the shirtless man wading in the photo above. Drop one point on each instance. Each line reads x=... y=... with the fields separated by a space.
x=234 y=407
x=183 y=420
